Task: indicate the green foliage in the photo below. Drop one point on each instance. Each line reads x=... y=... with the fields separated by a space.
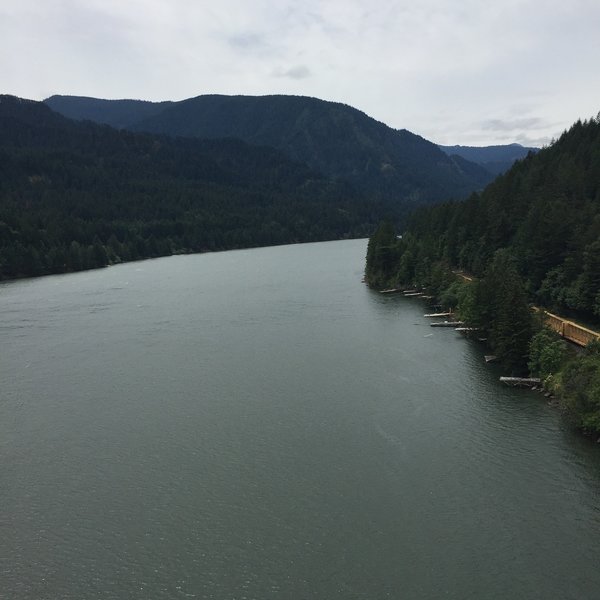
x=581 y=390
x=467 y=302
x=439 y=280
x=382 y=256
x=453 y=296
x=547 y=353
x=506 y=310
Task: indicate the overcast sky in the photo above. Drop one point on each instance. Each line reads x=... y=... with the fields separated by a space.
x=472 y=72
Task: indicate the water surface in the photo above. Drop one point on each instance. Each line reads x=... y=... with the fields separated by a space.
x=258 y=424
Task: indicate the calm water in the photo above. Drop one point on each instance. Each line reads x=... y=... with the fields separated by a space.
x=258 y=424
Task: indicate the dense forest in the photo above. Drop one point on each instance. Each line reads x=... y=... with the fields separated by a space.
x=332 y=138
x=532 y=237
x=76 y=195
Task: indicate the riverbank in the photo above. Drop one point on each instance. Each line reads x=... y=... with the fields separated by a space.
x=569 y=379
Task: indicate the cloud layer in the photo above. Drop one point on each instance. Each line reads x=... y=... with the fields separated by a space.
x=471 y=72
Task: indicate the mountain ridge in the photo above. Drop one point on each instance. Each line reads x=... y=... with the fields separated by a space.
x=77 y=195
x=331 y=137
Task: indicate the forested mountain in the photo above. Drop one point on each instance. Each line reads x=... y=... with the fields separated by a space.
x=545 y=212
x=76 y=195
x=334 y=139
x=495 y=159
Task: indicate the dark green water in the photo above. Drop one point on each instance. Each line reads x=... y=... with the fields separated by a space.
x=258 y=424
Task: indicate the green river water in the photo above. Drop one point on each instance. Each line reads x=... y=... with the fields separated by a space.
x=259 y=425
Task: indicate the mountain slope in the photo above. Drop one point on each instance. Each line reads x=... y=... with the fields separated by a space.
x=495 y=159
x=332 y=138
x=77 y=195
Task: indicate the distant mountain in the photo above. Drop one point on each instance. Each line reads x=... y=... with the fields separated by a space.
x=117 y=113
x=76 y=195
x=495 y=159
x=334 y=139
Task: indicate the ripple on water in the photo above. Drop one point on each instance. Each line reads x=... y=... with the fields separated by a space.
x=259 y=424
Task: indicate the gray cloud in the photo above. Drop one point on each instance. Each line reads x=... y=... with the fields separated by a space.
x=512 y=124
x=532 y=141
x=438 y=68
x=247 y=41
x=297 y=72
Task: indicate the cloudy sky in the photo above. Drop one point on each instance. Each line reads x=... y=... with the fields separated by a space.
x=454 y=71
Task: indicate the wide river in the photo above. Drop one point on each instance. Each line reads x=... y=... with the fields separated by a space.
x=258 y=424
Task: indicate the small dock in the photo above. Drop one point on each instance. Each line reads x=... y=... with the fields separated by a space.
x=440 y=314
x=391 y=291
x=521 y=381
x=454 y=324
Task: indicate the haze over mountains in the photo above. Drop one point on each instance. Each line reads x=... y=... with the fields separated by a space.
x=334 y=139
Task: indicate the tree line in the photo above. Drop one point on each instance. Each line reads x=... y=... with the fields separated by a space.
x=78 y=195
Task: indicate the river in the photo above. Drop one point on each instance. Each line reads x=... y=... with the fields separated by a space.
x=258 y=424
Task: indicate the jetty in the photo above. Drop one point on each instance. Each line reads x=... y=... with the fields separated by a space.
x=440 y=314
x=521 y=381
x=447 y=324
x=391 y=291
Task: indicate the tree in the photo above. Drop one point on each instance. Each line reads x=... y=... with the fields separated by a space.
x=547 y=353
x=581 y=389
x=382 y=255
x=510 y=320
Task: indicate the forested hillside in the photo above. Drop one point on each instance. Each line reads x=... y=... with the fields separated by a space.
x=545 y=211
x=531 y=237
x=80 y=195
x=334 y=139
